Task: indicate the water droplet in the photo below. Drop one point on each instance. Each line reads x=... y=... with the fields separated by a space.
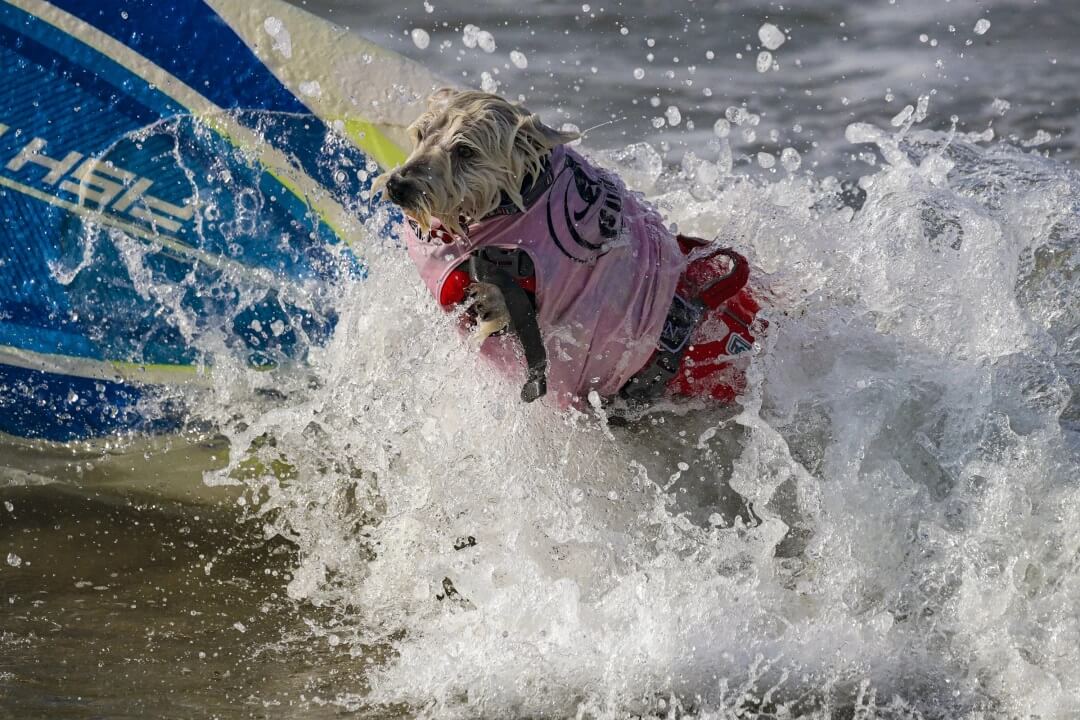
x=468 y=35
x=790 y=159
x=736 y=115
x=486 y=41
x=420 y=38
x=902 y=116
x=771 y=36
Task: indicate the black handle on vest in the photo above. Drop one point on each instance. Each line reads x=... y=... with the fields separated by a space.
x=523 y=323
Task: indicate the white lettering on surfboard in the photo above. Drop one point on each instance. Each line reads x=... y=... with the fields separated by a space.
x=110 y=188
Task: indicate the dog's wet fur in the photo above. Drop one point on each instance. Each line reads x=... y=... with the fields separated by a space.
x=470 y=151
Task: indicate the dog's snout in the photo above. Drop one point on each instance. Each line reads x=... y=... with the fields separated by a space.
x=399 y=189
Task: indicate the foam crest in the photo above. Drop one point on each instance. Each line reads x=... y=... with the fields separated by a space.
x=886 y=525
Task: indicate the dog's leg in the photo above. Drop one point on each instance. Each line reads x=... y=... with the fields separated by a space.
x=491 y=312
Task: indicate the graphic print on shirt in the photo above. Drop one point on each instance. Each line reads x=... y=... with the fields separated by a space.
x=584 y=212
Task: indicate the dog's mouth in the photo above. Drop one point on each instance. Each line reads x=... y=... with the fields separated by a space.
x=412 y=206
x=425 y=218
x=416 y=206
x=419 y=217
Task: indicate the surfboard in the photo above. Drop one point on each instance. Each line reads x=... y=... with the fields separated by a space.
x=175 y=174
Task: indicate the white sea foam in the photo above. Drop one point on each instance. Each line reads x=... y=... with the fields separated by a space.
x=908 y=443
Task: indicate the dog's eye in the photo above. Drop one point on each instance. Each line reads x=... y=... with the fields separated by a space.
x=464 y=152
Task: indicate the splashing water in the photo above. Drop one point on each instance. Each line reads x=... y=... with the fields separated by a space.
x=885 y=526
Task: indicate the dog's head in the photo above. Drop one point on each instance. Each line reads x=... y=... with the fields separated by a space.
x=468 y=148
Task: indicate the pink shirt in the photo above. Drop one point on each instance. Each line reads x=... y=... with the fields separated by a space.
x=606 y=272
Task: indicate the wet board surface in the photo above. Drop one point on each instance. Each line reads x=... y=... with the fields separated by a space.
x=178 y=179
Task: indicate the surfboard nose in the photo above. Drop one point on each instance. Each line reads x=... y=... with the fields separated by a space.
x=228 y=199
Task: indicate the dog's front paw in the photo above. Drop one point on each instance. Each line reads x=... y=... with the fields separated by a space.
x=486 y=302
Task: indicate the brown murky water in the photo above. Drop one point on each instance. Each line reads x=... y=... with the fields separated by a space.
x=116 y=605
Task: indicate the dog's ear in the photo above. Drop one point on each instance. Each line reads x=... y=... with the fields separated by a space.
x=544 y=135
x=441 y=96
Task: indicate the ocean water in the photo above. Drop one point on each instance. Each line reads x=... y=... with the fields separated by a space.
x=999 y=64
x=887 y=525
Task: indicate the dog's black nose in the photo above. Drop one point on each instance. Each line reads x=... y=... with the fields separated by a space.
x=399 y=189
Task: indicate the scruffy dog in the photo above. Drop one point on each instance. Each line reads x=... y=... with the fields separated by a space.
x=600 y=296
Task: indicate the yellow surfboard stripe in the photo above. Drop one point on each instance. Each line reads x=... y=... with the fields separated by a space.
x=368 y=92
x=108 y=370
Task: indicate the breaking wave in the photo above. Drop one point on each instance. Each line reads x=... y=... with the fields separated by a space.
x=886 y=525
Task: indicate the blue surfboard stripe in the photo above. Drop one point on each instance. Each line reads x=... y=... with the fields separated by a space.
x=61 y=408
x=65 y=60
x=39 y=313
x=34 y=306
x=43 y=315
x=170 y=34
